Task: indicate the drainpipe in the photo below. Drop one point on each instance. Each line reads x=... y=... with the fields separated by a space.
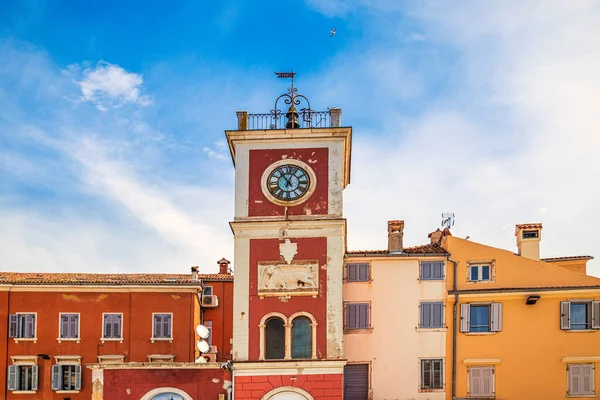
x=454 y=328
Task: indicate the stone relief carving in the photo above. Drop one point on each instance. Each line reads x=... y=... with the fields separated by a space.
x=288 y=278
x=288 y=250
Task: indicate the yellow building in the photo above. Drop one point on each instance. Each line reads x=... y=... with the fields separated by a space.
x=520 y=327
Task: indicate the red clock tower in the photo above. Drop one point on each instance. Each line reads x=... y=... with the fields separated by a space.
x=290 y=237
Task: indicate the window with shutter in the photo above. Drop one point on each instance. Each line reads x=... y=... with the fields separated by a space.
x=358 y=316
x=580 y=379
x=496 y=317
x=56 y=377
x=432 y=315
x=580 y=315
x=479 y=318
x=13 y=377
x=432 y=270
x=358 y=272
x=22 y=326
x=113 y=326
x=481 y=381
x=13 y=325
x=69 y=326
x=356 y=382
x=465 y=317
x=432 y=374
x=162 y=326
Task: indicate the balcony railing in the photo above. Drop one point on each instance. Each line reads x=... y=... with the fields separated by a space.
x=306 y=119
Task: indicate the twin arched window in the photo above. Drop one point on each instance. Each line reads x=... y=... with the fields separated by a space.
x=281 y=340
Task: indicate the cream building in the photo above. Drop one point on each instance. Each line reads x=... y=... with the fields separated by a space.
x=394 y=326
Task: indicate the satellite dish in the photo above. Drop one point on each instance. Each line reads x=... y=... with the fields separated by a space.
x=202 y=346
x=448 y=220
x=201 y=359
x=202 y=331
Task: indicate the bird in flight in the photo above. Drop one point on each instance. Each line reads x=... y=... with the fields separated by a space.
x=332 y=32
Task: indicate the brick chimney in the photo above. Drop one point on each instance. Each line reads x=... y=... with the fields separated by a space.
x=528 y=240
x=195 y=273
x=395 y=235
x=437 y=237
x=223 y=266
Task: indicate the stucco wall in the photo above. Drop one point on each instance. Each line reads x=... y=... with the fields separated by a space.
x=222 y=318
x=395 y=343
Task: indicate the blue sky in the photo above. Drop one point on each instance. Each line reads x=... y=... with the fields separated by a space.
x=112 y=153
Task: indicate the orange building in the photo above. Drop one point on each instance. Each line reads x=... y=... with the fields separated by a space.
x=64 y=330
x=520 y=327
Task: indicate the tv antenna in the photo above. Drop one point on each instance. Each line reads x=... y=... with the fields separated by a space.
x=448 y=220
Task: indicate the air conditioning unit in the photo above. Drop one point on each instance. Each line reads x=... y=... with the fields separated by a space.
x=209 y=357
x=210 y=301
x=212 y=350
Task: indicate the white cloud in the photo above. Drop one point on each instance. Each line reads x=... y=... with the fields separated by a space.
x=108 y=85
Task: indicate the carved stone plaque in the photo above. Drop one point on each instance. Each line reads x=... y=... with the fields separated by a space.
x=300 y=278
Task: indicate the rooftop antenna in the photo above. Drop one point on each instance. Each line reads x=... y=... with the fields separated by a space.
x=448 y=220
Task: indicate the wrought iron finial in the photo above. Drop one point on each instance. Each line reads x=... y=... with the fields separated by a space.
x=293 y=98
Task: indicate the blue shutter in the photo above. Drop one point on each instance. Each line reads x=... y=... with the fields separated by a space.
x=78 y=377
x=56 y=377
x=351 y=316
x=351 y=272
x=425 y=270
x=117 y=326
x=167 y=327
x=437 y=315
x=425 y=315
x=74 y=326
x=107 y=326
x=13 y=326
x=13 y=377
x=363 y=272
x=30 y=326
x=34 y=377
x=64 y=326
x=363 y=316
x=157 y=326
x=438 y=270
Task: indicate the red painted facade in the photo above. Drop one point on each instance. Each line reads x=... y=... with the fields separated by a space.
x=320 y=386
x=260 y=160
x=198 y=383
x=221 y=318
x=268 y=250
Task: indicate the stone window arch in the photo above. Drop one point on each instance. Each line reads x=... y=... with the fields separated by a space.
x=288 y=329
x=287 y=393
x=273 y=333
x=302 y=324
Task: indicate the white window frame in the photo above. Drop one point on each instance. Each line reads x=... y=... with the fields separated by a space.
x=78 y=338
x=493 y=394
x=25 y=361
x=479 y=264
x=34 y=339
x=166 y=339
x=120 y=339
x=74 y=360
x=593 y=378
x=211 y=291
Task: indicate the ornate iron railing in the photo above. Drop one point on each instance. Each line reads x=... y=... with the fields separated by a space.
x=306 y=119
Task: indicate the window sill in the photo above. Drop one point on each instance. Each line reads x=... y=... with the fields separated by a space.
x=351 y=331
x=581 y=396
x=17 y=340
x=482 y=282
x=67 y=391
x=369 y=281
x=581 y=330
x=152 y=340
x=431 y=280
x=479 y=333
x=422 y=390
x=120 y=340
x=441 y=329
x=24 y=392
x=60 y=340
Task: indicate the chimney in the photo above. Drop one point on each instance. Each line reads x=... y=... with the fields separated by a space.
x=528 y=240
x=195 y=273
x=395 y=234
x=438 y=236
x=223 y=266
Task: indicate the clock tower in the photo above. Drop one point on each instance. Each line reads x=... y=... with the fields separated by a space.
x=291 y=168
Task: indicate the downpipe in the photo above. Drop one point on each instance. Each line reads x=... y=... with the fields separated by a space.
x=454 y=328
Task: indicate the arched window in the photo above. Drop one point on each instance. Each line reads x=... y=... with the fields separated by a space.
x=274 y=339
x=301 y=338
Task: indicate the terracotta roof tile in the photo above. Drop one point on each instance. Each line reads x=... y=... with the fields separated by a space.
x=423 y=249
x=567 y=258
x=33 y=278
x=533 y=225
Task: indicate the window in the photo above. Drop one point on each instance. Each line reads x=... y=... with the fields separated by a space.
x=22 y=378
x=358 y=272
x=432 y=374
x=301 y=338
x=481 y=317
x=481 y=382
x=22 y=326
x=580 y=315
x=112 y=326
x=208 y=325
x=432 y=270
x=162 y=326
x=357 y=316
x=208 y=291
x=356 y=381
x=581 y=379
x=480 y=273
x=531 y=234
x=432 y=315
x=274 y=339
x=66 y=377
x=69 y=326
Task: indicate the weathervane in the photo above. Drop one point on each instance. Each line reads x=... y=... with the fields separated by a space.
x=293 y=98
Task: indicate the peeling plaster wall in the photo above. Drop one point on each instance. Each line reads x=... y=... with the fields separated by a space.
x=395 y=344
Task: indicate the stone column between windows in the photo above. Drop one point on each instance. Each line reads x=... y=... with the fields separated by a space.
x=261 y=345
x=313 y=327
x=288 y=341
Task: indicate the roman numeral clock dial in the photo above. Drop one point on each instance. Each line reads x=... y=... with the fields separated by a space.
x=288 y=182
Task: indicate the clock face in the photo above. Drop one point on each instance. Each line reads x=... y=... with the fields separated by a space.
x=288 y=182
